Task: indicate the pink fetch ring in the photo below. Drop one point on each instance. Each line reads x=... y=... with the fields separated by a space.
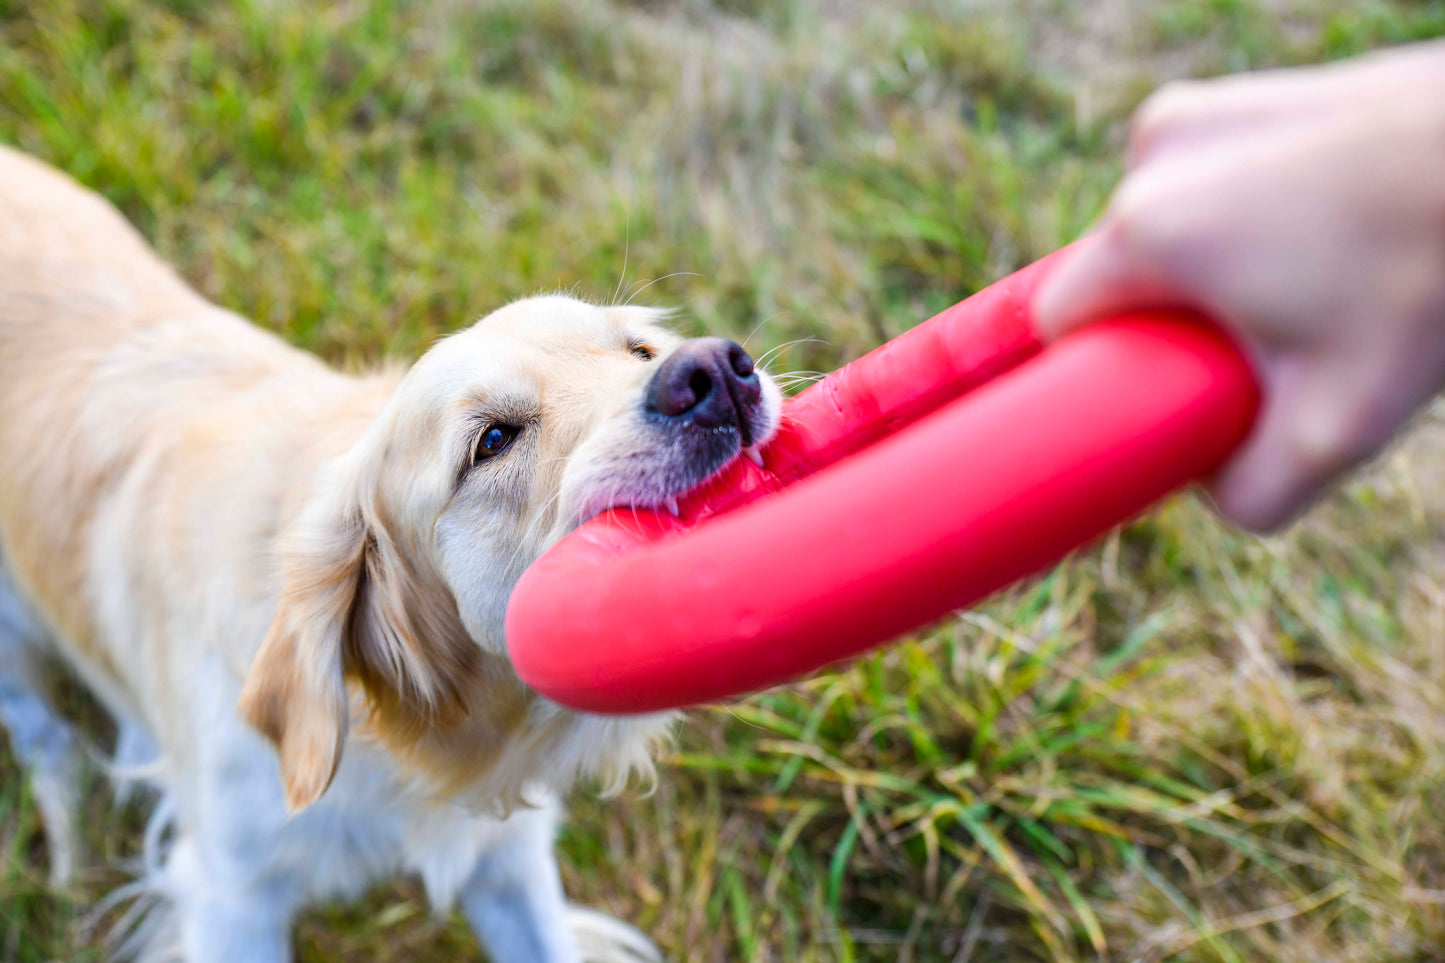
x=950 y=462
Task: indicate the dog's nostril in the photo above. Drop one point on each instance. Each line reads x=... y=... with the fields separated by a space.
x=700 y=384
x=742 y=364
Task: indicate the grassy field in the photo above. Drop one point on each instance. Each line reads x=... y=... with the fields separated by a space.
x=1184 y=744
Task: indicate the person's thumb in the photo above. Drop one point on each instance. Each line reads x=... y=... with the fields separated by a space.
x=1098 y=278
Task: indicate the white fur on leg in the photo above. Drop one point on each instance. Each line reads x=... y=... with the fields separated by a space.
x=604 y=939
x=180 y=915
x=513 y=898
x=56 y=786
x=135 y=760
x=148 y=931
x=44 y=743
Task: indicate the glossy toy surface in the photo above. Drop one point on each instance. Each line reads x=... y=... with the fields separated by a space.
x=933 y=471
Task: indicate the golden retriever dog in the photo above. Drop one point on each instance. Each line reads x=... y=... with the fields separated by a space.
x=287 y=584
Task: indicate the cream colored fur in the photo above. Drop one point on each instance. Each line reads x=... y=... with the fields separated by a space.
x=197 y=517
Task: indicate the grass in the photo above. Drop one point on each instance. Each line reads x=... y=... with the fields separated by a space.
x=1183 y=744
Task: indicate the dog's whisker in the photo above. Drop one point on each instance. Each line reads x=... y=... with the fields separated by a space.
x=674 y=274
x=628 y=293
x=758 y=327
x=788 y=386
x=801 y=375
x=785 y=345
x=626 y=249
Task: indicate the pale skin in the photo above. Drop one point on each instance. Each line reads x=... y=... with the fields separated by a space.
x=1304 y=210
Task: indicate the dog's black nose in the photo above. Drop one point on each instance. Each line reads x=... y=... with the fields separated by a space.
x=708 y=381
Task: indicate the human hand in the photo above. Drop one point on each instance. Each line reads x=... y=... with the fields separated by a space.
x=1304 y=210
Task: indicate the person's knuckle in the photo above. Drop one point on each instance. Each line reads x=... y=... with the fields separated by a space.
x=1161 y=114
x=1331 y=438
x=1259 y=494
x=1415 y=295
x=1144 y=220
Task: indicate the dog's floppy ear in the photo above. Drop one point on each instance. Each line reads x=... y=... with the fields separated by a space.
x=296 y=692
x=358 y=601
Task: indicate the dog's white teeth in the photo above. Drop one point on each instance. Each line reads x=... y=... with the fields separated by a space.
x=753 y=455
x=670 y=504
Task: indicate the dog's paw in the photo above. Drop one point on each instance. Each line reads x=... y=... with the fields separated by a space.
x=603 y=939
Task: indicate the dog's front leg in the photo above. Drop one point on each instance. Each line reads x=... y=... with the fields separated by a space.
x=224 y=916
x=239 y=867
x=41 y=738
x=514 y=901
x=225 y=932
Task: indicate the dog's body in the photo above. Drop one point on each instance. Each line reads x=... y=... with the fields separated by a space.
x=193 y=513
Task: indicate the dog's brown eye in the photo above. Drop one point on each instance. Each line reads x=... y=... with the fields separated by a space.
x=494 y=440
x=641 y=350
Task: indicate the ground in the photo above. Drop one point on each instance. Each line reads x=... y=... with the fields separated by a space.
x=1181 y=744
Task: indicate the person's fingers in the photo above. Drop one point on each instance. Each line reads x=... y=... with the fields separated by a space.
x=1266 y=483
x=1189 y=113
x=1100 y=278
x=1315 y=425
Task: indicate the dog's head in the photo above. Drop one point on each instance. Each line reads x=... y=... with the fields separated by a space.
x=501 y=439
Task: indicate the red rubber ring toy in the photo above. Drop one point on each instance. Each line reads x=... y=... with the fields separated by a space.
x=952 y=461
